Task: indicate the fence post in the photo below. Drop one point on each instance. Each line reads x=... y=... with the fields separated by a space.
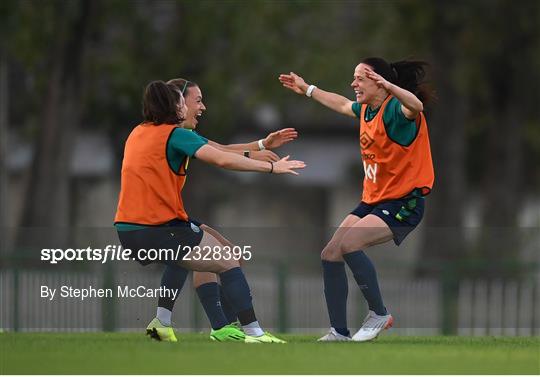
x=449 y=300
x=195 y=311
x=108 y=304
x=534 y=324
x=282 y=302
x=16 y=303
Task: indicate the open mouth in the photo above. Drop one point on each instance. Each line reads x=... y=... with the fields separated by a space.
x=195 y=120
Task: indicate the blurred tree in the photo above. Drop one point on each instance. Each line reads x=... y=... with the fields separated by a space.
x=481 y=67
x=97 y=56
x=505 y=85
x=47 y=197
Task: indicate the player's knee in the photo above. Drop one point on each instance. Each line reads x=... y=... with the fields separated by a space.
x=223 y=265
x=331 y=253
x=348 y=245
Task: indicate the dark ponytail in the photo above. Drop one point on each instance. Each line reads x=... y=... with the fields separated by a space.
x=160 y=103
x=407 y=74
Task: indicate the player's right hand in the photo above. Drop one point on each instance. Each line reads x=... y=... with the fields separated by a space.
x=284 y=166
x=293 y=82
x=266 y=155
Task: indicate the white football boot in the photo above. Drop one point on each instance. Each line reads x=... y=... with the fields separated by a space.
x=334 y=336
x=372 y=326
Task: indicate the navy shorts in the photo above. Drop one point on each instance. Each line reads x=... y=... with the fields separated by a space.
x=401 y=215
x=167 y=236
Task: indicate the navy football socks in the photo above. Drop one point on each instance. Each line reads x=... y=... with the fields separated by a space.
x=209 y=296
x=173 y=277
x=335 y=292
x=227 y=308
x=366 y=277
x=236 y=289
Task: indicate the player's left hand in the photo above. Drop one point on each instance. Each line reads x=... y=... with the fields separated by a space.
x=379 y=80
x=278 y=138
x=265 y=155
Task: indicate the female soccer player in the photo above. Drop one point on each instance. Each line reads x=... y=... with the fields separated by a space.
x=151 y=214
x=216 y=306
x=398 y=173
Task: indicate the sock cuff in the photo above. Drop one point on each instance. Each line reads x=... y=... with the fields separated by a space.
x=333 y=268
x=229 y=275
x=207 y=290
x=350 y=257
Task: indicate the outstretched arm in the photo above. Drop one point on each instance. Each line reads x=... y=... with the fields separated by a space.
x=265 y=155
x=231 y=161
x=272 y=141
x=331 y=100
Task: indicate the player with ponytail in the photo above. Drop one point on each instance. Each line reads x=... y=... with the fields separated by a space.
x=398 y=174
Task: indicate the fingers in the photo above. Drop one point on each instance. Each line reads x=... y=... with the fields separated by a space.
x=288 y=133
x=290 y=78
x=288 y=167
x=286 y=78
x=266 y=155
x=293 y=165
x=272 y=157
x=370 y=74
x=297 y=164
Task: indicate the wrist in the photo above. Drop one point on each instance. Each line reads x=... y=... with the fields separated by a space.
x=261 y=145
x=389 y=86
x=271 y=167
x=310 y=89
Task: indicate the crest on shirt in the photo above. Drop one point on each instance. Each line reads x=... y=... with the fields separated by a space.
x=365 y=140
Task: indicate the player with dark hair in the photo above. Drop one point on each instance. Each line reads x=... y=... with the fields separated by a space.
x=151 y=214
x=221 y=314
x=398 y=173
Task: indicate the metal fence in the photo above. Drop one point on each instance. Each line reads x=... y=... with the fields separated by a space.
x=284 y=302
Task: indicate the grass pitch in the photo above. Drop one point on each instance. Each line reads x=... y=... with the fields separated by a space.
x=129 y=353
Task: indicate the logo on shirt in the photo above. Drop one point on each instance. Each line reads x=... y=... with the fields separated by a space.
x=370 y=170
x=365 y=140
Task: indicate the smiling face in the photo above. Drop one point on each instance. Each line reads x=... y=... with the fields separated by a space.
x=365 y=89
x=195 y=107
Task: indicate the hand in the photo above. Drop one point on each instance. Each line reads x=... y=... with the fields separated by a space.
x=293 y=82
x=278 y=138
x=265 y=155
x=379 y=80
x=284 y=166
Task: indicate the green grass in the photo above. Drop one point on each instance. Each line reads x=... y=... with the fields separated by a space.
x=128 y=353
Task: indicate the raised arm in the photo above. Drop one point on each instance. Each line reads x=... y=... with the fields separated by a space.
x=231 y=161
x=411 y=106
x=331 y=100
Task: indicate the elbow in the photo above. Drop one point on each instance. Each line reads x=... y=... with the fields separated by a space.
x=224 y=163
x=420 y=107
